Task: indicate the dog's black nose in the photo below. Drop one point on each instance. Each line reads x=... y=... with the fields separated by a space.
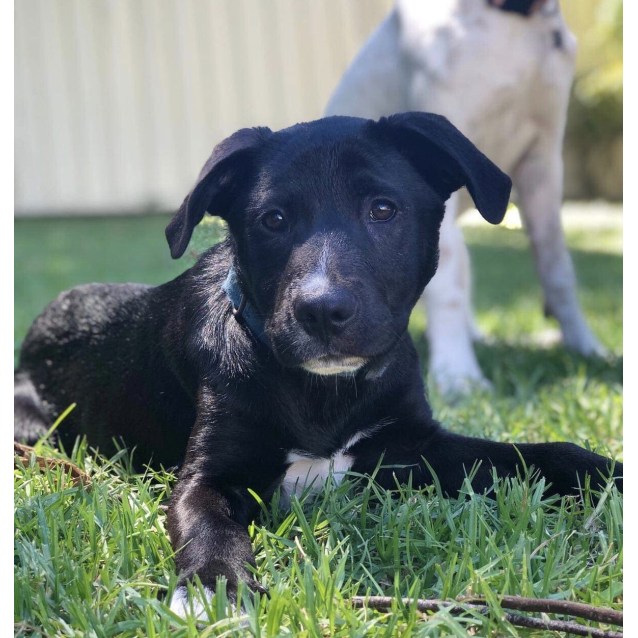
x=325 y=313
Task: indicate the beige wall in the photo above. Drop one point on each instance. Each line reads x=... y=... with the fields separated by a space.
x=119 y=102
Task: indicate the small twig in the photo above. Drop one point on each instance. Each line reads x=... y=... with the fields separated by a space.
x=78 y=476
x=561 y=625
x=383 y=603
x=552 y=606
x=299 y=547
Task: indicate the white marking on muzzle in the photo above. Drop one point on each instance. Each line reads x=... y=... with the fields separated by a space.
x=318 y=280
x=327 y=366
x=323 y=259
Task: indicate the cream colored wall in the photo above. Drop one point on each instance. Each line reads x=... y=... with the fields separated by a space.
x=119 y=102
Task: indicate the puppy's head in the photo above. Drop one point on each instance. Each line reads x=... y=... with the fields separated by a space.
x=335 y=226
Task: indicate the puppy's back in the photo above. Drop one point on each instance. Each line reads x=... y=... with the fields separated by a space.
x=65 y=346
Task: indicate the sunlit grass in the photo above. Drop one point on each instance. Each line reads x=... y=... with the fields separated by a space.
x=97 y=560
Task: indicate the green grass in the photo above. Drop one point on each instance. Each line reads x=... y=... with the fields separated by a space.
x=97 y=562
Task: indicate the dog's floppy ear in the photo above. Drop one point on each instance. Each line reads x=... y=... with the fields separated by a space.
x=448 y=160
x=228 y=163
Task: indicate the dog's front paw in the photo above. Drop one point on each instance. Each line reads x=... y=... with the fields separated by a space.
x=196 y=604
x=184 y=606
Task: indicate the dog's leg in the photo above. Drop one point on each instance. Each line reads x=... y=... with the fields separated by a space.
x=538 y=180
x=453 y=364
x=466 y=273
x=452 y=457
x=208 y=530
x=477 y=334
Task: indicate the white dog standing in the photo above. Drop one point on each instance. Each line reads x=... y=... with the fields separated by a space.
x=501 y=71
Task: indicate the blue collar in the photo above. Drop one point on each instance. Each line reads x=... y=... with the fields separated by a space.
x=244 y=313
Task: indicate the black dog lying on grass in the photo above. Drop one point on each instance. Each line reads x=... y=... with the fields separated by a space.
x=284 y=352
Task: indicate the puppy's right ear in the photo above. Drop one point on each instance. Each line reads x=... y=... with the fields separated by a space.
x=217 y=181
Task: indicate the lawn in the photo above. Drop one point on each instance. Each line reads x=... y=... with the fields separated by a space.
x=94 y=559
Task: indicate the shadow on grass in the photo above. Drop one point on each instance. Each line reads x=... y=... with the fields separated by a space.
x=502 y=273
x=517 y=370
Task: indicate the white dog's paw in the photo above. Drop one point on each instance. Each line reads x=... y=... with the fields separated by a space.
x=458 y=383
x=184 y=606
x=583 y=342
x=577 y=335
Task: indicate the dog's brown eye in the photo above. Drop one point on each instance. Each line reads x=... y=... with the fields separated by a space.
x=382 y=210
x=274 y=220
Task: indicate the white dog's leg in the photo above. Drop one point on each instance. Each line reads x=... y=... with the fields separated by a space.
x=538 y=180
x=466 y=278
x=453 y=365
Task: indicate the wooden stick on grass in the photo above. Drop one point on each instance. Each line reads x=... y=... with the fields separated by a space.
x=552 y=606
x=580 y=610
x=78 y=476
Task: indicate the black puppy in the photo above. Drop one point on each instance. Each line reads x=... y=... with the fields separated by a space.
x=283 y=352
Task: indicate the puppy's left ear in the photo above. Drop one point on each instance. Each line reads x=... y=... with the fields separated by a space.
x=447 y=160
x=216 y=185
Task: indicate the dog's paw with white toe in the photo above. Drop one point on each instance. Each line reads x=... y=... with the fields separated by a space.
x=184 y=606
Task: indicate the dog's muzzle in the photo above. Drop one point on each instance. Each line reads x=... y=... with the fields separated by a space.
x=325 y=312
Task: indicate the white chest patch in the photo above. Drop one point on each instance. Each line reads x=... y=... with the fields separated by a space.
x=311 y=472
